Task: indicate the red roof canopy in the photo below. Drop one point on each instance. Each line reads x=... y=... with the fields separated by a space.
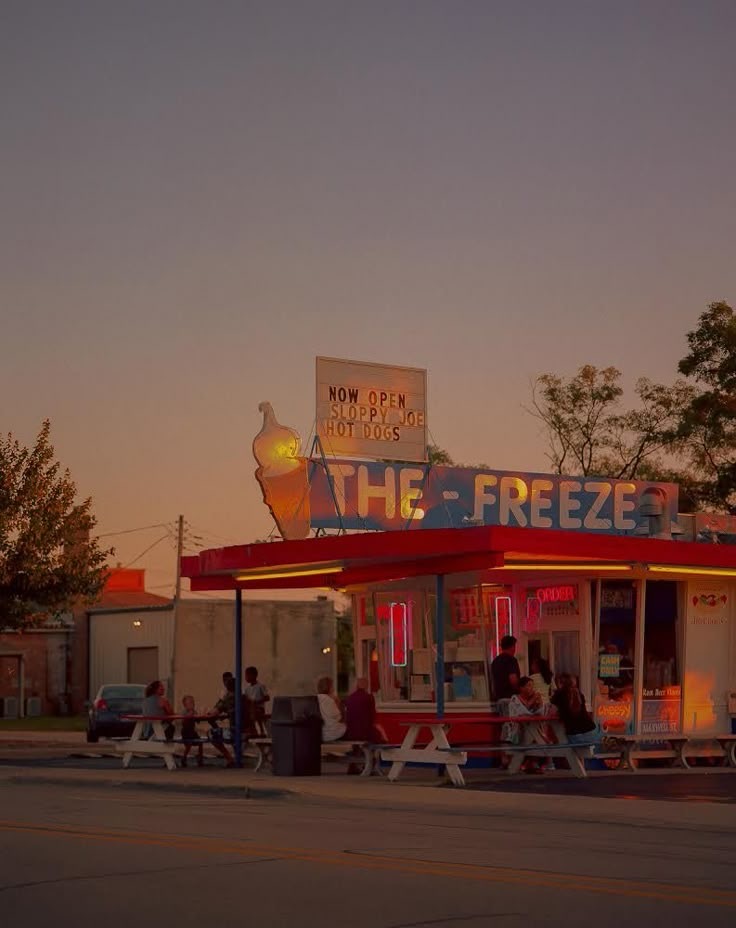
x=341 y=561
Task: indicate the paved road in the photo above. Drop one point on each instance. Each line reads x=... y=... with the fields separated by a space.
x=113 y=858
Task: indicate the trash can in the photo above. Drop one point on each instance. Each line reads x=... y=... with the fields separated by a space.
x=296 y=736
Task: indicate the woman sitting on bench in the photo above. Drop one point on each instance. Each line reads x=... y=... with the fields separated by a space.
x=570 y=705
x=333 y=726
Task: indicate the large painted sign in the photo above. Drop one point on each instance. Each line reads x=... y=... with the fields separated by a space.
x=381 y=496
x=715 y=527
x=660 y=710
x=371 y=410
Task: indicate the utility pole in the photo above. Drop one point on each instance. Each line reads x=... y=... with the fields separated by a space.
x=177 y=596
x=179 y=551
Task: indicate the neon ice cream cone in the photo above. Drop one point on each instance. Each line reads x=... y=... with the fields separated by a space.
x=282 y=474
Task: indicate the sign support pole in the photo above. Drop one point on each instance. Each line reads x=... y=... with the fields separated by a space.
x=317 y=446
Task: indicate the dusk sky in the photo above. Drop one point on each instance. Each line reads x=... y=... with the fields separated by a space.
x=199 y=198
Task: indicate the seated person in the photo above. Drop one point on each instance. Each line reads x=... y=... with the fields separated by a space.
x=155 y=704
x=189 y=734
x=573 y=713
x=524 y=703
x=225 y=706
x=360 y=715
x=333 y=727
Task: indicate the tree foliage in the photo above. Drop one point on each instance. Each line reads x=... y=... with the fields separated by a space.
x=438 y=456
x=707 y=432
x=589 y=432
x=47 y=560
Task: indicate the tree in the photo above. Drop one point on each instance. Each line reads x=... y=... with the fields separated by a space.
x=590 y=434
x=707 y=431
x=438 y=456
x=47 y=559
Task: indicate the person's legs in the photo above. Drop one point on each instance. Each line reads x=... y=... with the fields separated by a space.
x=579 y=739
x=187 y=749
x=219 y=746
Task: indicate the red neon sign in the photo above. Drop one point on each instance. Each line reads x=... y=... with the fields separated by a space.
x=465 y=608
x=533 y=617
x=565 y=593
x=398 y=629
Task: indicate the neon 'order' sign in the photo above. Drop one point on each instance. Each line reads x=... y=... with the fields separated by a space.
x=563 y=593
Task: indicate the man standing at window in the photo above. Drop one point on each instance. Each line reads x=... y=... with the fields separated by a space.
x=505 y=674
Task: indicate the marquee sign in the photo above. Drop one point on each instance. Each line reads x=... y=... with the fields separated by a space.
x=380 y=496
x=371 y=410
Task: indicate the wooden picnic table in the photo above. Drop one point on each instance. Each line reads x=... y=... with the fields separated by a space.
x=439 y=751
x=158 y=745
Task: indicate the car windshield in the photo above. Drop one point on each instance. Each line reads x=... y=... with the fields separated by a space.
x=132 y=691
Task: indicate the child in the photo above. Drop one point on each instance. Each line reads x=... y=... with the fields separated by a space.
x=257 y=696
x=189 y=732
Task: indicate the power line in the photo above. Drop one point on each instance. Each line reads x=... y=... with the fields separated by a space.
x=205 y=531
x=146 y=550
x=129 y=531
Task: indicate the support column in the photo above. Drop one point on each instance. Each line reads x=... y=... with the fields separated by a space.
x=237 y=734
x=440 y=640
x=641 y=617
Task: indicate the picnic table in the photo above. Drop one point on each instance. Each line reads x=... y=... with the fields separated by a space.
x=439 y=750
x=157 y=744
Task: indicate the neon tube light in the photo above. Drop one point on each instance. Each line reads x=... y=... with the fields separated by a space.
x=274 y=575
x=558 y=567
x=398 y=635
x=694 y=571
x=506 y=600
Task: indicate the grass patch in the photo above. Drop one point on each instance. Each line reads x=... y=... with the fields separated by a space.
x=46 y=723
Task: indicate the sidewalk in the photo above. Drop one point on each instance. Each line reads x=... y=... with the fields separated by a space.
x=417 y=790
x=46 y=738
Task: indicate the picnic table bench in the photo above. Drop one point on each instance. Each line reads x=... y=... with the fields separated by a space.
x=633 y=749
x=157 y=745
x=262 y=750
x=439 y=751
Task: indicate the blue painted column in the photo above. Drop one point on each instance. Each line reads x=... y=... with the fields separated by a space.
x=440 y=639
x=237 y=734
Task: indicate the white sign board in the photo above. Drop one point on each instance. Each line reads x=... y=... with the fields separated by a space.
x=707 y=658
x=371 y=410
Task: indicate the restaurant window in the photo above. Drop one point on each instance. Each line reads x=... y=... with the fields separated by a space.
x=661 y=690
x=365 y=630
x=498 y=617
x=466 y=634
x=616 y=649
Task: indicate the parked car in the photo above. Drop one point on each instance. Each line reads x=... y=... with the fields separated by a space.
x=112 y=701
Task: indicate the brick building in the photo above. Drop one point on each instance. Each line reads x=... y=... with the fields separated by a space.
x=45 y=670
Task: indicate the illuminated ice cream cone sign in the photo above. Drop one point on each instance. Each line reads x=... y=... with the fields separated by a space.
x=282 y=474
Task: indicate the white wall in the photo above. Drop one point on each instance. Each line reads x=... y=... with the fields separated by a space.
x=112 y=633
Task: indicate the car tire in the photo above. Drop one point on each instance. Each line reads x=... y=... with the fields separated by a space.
x=92 y=737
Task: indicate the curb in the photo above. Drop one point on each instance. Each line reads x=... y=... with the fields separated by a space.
x=241 y=792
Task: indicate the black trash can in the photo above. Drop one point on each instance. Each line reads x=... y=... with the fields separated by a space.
x=296 y=736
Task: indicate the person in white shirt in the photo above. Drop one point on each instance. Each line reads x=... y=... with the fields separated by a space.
x=333 y=726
